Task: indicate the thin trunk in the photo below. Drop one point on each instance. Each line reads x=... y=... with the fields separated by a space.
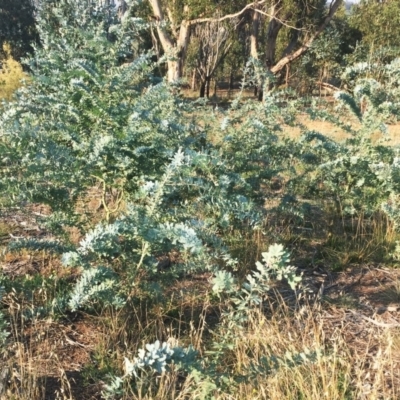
x=208 y=84
x=231 y=80
x=205 y=87
x=287 y=75
x=260 y=94
x=202 y=89
x=193 y=83
x=255 y=27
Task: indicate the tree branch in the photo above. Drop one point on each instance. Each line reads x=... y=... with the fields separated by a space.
x=279 y=20
x=228 y=16
x=291 y=57
x=166 y=41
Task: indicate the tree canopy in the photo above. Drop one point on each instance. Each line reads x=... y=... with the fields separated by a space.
x=17 y=26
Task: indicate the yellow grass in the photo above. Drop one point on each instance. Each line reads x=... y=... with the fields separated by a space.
x=11 y=74
x=335 y=133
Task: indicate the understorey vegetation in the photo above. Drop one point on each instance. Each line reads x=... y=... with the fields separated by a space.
x=171 y=247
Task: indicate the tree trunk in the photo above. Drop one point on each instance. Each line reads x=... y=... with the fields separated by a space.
x=287 y=76
x=193 y=83
x=292 y=44
x=255 y=27
x=208 y=84
x=205 y=87
x=202 y=89
x=174 y=48
x=174 y=71
x=122 y=8
x=274 y=27
x=260 y=93
x=231 y=80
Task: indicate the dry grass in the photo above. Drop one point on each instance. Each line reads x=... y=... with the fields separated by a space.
x=224 y=98
x=11 y=75
x=353 y=359
x=335 y=133
x=356 y=353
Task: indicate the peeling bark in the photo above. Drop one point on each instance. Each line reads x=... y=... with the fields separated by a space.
x=255 y=27
x=174 y=48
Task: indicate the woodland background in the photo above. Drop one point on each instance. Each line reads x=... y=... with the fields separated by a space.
x=208 y=41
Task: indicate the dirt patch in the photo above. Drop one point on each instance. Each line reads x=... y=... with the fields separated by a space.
x=53 y=354
x=363 y=336
x=373 y=289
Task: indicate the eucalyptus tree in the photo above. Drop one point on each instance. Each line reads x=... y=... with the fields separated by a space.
x=175 y=20
x=329 y=55
x=212 y=42
x=17 y=26
x=291 y=25
x=304 y=22
x=284 y=30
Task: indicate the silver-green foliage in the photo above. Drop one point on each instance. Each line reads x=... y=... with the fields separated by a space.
x=156 y=223
x=157 y=359
x=375 y=85
x=254 y=290
x=361 y=176
x=95 y=284
x=95 y=114
x=85 y=118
